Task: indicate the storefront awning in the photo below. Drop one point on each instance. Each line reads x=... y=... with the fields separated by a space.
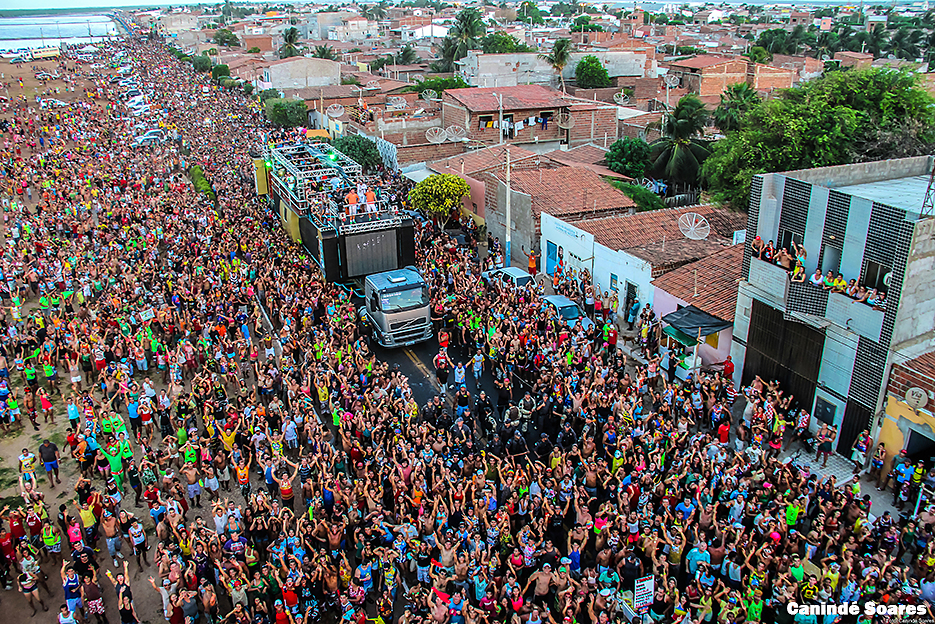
x=419 y=175
x=691 y=320
x=679 y=336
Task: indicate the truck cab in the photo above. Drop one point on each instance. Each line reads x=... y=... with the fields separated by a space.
x=397 y=307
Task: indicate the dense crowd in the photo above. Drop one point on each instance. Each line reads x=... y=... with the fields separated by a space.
x=210 y=375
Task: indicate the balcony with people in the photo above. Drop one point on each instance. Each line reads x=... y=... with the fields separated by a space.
x=857 y=304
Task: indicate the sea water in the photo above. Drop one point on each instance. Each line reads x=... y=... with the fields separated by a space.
x=38 y=31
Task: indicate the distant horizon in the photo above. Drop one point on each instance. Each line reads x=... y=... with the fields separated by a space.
x=36 y=6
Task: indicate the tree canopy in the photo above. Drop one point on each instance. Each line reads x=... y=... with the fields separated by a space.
x=590 y=73
x=529 y=12
x=289 y=113
x=439 y=194
x=844 y=117
x=502 y=43
x=736 y=100
x=559 y=57
x=629 y=157
x=438 y=84
x=361 y=150
x=220 y=71
x=201 y=63
x=290 y=37
x=224 y=37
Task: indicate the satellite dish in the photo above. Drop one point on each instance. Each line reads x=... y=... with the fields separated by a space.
x=671 y=80
x=396 y=102
x=335 y=110
x=621 y=98
x=418 y=78
x=455 y=133
x=694 y=226
x=429 y=94
x=373 y=84
x=648 y=184
x=825 y=58
x=916 y=398
x=436 y=135
x=565 y=120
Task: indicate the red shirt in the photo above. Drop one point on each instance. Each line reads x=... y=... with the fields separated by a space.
x=723 y=433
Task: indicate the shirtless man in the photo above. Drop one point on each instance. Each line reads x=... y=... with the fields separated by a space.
x=190 y=472
x=544 y=580
x=111 y=530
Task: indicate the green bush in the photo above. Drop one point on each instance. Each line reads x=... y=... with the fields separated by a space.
x=220 y=71
x=644 y=198
x=268 y=94
x=289 y=113
x=201 y=63
x=247 y=87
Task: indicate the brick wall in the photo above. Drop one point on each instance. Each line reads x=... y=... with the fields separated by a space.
x=527 y=135
x=594 y=124
x=766 y=78
x=264 y=42
x=425 y=152
x=716 y=78
x=903 y=378
x=598 y=95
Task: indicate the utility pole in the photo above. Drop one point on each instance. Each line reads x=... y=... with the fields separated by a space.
x=500 y=109
x=509 y=212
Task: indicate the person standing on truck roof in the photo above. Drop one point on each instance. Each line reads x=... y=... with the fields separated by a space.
x=352 y=200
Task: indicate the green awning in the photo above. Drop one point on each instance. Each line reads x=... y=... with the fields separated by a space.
x=679 y=335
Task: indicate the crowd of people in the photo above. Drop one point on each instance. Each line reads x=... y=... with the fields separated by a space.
x=234 y=434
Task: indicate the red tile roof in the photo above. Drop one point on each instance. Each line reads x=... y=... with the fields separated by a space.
x=480 y=160
x=522 y=97
x=701 y=61
x=718 y=276
x=645 y=228
x=569 y=192
x=590 y=154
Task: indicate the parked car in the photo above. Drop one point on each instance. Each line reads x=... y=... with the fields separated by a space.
x=568 y=311
x=513 y=276
x=146 y=141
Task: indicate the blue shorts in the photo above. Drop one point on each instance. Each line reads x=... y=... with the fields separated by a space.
x=50 y=466
x=73 y=604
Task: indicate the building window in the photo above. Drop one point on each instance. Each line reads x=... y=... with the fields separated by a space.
x=830 y=260
x=712 y=339
x=876 y=276
x=785 y=240
x=484 y=121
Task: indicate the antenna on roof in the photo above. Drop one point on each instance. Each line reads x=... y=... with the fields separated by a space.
x=929 y=202
x=694 y=226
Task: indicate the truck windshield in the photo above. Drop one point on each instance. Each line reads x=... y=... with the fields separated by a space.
x=399 y=300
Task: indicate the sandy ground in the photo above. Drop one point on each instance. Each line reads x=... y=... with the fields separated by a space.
x=15 y=608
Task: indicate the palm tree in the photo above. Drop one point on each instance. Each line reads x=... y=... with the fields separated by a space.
x=376 y=11
x=407 y=56
x=559 y=57
x=467 y=32
x=289 y=49
x=736 y=100
x=904 y=44
x=324 y=52
x=678 y=154
x=826 y=44
x=873 y=41
x=446 y=56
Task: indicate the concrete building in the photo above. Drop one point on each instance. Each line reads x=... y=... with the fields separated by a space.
x=320 y=25
x=858 y=60
x=710 y=285
x=626 y=252
x=300 y=71
x=831 y=352
x=176 y=23
x=569 y=194
x=354 y=29
x=708 y=74
x=527 y=114
x=909 y=420
x=508 y=70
